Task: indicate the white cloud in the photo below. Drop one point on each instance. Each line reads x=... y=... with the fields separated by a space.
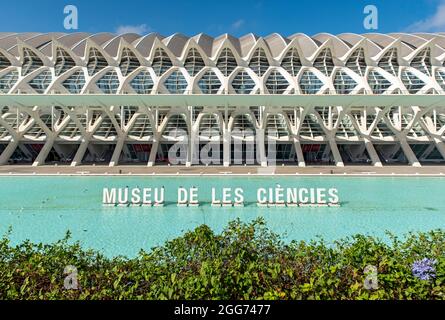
x=434 y=23
x=237 y=24
x=140 y=29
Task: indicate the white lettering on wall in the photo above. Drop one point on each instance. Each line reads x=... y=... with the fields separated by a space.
x=270 y=196
x=109 y=196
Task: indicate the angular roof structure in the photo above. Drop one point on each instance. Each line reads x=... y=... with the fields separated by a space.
x=176 y=43
x=106 y=63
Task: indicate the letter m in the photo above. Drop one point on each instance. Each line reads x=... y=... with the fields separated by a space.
x=109 y=196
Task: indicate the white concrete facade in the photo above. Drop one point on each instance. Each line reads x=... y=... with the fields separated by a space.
x=324 y=100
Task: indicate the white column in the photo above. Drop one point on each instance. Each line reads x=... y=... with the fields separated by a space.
x=261 y=147
x=43 y=154
x=227 y=142
x=188 y=162
x=153 y=153
x=412 y=159
x=372 y=153
x=117 y=152
x=80 y=153
x=193 y=156
x=440 y=145
x=334 y=149
x=8 y=152
x=299 y=153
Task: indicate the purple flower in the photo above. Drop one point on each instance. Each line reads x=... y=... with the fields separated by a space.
x=424 y=269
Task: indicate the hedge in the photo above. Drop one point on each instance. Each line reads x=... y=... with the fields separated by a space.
x=246 y=261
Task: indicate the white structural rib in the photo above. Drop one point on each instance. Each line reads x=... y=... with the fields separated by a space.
x=323 y=100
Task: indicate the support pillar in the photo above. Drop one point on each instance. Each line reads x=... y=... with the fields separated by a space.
x=117 y=152
x=227 y=143
x=372 y=153
x=9 y=151
x=153 y=153
x=43 y=154
x=80 y=153
x=440 y=145
x=334 y=149
x=412 y=159
x=299 y=153
x=188 y=162
x=261 y=147
x=193 y=154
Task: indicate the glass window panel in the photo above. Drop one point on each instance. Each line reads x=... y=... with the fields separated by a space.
x=276 y=83
x=129 y=62
x=161 y=62
x=259 y=63
x=378 y=83
x=226 y=62
x=357 y=62
x=75 y=82
x=411 y=82
x=389 y=62
x=291 y=62
x=194 y=62
x=422 y=61
x=109 y=83
x=7 y=81
x=277 y=126
x=96 y=62
x=324 y=62
x=309 y=83
x=343 y=83
x=142 y=83
x=243 y=83
x=41 y=82
x=30 y=62
x=176 y=83
x=209 y=126
x=4 y=62
x=176 y=126
x=209 y=83
x=440 y=78
x=64 y=62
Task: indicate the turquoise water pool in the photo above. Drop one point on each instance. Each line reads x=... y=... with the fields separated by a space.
x=42 y=209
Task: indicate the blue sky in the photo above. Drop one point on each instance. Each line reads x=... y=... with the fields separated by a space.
x=236 y=17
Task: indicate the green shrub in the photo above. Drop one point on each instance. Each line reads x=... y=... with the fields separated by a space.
x=245 y=261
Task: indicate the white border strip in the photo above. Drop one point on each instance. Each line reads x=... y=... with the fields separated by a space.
x=440 y=175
